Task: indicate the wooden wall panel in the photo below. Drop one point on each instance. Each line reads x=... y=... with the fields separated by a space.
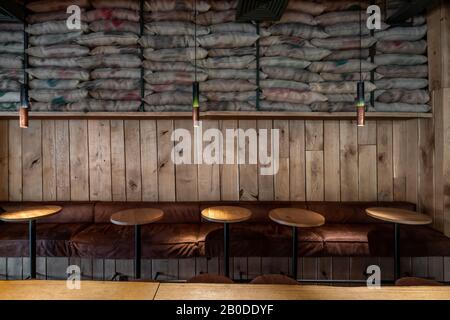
x=4 y=160
x=229 y=172
x=49 y=161
x=14 y=161
x=281 y=180
x=63 y=160
x=79 y=160
x=149 y=160
x=133 y=172
x=349 y=160
x=166 y=168
x=248 y=173
x=297 y=170
x=384 y=160
x=32 y=162
x=332 y=172
x=118 y=187
x=209 y=174
x=266 y=182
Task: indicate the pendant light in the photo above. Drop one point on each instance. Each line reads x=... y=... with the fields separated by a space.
x=360 y=94
x=195 y=85
x=23 y=110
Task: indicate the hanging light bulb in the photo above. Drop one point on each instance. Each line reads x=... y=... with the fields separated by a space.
x=361 y=104
x=23 y=110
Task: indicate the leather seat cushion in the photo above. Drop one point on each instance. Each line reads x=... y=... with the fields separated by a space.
x=52 y=239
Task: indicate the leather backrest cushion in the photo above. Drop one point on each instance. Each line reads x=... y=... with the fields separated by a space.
x=72 y=212
x=353 y=212
x=260 y=210
x=174 y=212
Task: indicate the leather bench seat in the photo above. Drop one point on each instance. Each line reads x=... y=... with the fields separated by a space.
x=84 y=230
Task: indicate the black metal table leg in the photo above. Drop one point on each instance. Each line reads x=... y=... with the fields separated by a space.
x=32 y=247
x=294 y=252
x=397 y=272
x=137 y=251
x=226 y=249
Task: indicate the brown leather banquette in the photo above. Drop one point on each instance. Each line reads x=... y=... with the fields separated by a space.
x=84 y=230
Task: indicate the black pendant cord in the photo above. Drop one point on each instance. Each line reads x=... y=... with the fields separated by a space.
x=360 y=45
x=258 y=53
x=195 y=41
x=141 y=51
x=372 y=52
x=25 y=55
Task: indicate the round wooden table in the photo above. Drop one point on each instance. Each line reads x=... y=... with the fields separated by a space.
x=397 y=217
x=30 y=214
x=226 y=215
x=137 y=218
x=296 y=218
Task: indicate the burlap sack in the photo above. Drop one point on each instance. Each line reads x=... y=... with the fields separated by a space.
x=216 y=17
x=292 y=96
x=400 y=59
x=227 y=40
x=171 y=5
x=58 y=73
x=298 y=30
x=52 y=39
x=339 y=87
x=54 y=84
x=166 y=42
x=342 y=66
x=303 y=53
x=186 y=16
x=58 y=96
x=173 y=66
x=344 y=97
x=286 y=84
x=122 y=4
x=133 y=50
x=223 y=85
x=110 y=61
x=403 y=71
x=401 y=107
x=174 y=77
x=245 y=74
x=58 y=51
x=284 y=62
x=220 y=5
x=114 y=26
x=9 y=106
x=12 y=74
x=97 y=39
x=111 y=14
x=308 y=7
x=291 y=74
x=237 y=27
x=9 y=85
x=353 y=76
x=54 y=62
x=52 y=27
x=297 y=17
x=9 y=96
x=111 y=84
x=51 y=5
x=116 y=94
x=33 y=18
x=170 y=97
x=403 y=47
x=402 y=83
x=351 y=29
x=348 y=54
x=344 y=43
x=228 y=106
x=275 y=40
x=168 y=108
x=230 y=96
x=332 y=18
x=244 y=51
x=12 y=48
x=179 y=54
x=226 y=62
x=150 y=88
x=402 y=34
x=11 y=61
x=110 y=73
x=283 y=106
x=174 y=28
x=10 y=26
x=343 y=5
x=333 y=107
x=11 y=36
x=404 y=96
x=90 y=105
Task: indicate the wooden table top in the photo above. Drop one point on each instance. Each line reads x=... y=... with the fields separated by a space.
x=399 y=216
x=226 y=214
x=19 y=214
x=123 y=290
x=90 y=290
x=197 y=291
x=296 y=217
x=134 y=217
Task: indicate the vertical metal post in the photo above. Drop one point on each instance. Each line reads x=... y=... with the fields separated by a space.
x=32 y=247
x=226 y=249
x=137 y=251
x=397 y=271
x=258 y=53
x=294 y=252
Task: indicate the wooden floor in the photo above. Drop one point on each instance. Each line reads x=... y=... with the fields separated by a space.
x=101 y=290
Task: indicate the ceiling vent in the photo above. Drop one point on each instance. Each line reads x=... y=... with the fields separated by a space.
x=260 y=10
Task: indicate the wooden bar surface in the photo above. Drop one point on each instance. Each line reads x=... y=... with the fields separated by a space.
x=104 y=290
x=90 y=290
x=172 y=291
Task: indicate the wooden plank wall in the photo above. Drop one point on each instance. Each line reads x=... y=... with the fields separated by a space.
x=130 y=160
x=434 y=134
